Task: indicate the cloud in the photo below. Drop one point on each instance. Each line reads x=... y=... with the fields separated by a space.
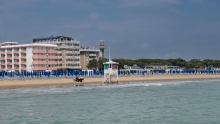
x=197 y=1
x=170 y=55
x=93 y=16
x=145 y=28
x=143 y=45
x=15 y=3
x=138 y=3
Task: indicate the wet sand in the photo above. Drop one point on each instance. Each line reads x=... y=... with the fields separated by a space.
x=14 y=84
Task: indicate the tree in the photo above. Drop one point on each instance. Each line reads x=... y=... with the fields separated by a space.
x=100 y=63
x=193 y=63
x=93 y=64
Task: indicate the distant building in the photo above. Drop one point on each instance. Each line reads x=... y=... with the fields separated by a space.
x=121 y=59
x=102 y=48
x=87 y=54
x=133 y=69
x=28 y=57
x=127 y=67
x=68 y=51
x=152 y=68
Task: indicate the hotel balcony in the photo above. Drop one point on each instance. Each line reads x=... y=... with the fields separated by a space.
x=23 y=68
x=17 y=69
x=92 y=55
x=3 y=58
x=59 y=62
x=39 y=63
x=62 y=47
x=76 y=52
x=16 y=57
x=2 y=69
x=73 y=67
x=9 y=52
x=9 y=63
x=69 y=57
x=39 y=68
x=76 y=57
x=16 y=63
x=52 y=57
x=69 y=52
x=16 y=52
x=52 y=63
x=52 y=68
x=23 y=51
x=76 y=62
x=23 y=57
x=39 y=51
x=9 y=69
x=9 y=58
x=23 y=62
x=3 y=53
x=52 y=51
x=39 y=57
x=70 y=47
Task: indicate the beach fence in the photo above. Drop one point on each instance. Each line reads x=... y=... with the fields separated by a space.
x=95 y=74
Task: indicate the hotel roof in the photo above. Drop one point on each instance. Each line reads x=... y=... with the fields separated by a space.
x=30 y=45
x=53 y=37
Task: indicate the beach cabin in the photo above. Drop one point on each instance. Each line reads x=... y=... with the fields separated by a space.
x=110 y=71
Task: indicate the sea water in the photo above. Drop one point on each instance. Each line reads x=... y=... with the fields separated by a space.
x=177 y=102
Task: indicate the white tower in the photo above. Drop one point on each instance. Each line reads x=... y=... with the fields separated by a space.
x=110 y=70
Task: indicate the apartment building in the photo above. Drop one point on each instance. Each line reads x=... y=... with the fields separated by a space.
x=68 y=51
x=87 y=54
x=28 y=57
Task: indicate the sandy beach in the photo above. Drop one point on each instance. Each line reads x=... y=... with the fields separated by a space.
x=14 y=84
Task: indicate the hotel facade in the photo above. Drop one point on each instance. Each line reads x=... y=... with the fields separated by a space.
x=87 y=54
x=52 y=53
x=28 y=57
x=67 y=49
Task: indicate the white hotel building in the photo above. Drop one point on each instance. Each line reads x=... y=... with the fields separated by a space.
x=28 y=57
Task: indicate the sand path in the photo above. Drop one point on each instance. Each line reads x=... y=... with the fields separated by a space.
x=7 y=84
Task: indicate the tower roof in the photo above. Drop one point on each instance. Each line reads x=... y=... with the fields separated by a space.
x=110 y=62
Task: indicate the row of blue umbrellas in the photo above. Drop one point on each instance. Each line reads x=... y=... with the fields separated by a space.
x=98 y=73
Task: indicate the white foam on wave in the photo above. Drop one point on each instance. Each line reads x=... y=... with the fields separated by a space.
x=137 y=84
x=59 y=90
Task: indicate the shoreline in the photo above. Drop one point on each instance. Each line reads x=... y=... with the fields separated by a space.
x=38 y=83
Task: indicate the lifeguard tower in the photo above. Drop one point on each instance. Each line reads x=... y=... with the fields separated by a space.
x=110 y=71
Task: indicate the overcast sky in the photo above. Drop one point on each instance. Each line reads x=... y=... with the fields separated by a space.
x=188 y=29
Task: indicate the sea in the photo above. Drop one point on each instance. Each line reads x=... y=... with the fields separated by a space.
x=171 y=102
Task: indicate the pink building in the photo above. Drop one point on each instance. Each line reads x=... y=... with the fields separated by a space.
x=28 y=57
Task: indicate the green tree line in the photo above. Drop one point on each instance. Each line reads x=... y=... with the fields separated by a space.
x=193 y=63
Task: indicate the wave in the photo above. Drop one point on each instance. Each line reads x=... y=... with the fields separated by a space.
x=69 y=89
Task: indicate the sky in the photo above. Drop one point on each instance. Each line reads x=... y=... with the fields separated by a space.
x=134 y=29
